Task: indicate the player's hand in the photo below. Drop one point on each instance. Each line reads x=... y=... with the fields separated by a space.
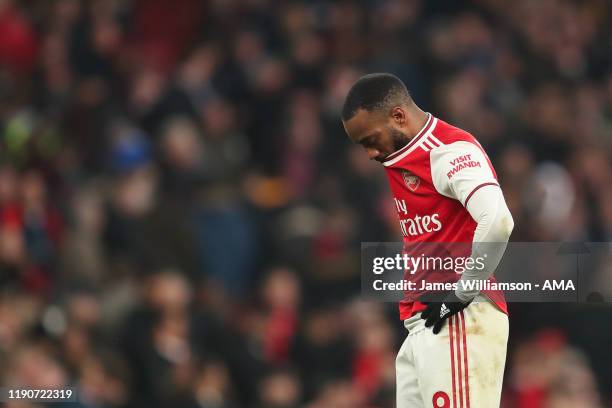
x=438 y=312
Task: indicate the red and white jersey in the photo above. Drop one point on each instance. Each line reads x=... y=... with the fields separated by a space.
x=432 y=179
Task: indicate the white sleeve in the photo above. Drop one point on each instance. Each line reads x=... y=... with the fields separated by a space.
x=494 y=226
x=461 y=171
x=458 y=169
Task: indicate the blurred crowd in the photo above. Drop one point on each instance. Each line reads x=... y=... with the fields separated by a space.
x=181 y=212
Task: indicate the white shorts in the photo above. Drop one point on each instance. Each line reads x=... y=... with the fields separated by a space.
x=460 y=367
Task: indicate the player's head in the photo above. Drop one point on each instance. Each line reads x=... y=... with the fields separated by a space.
x=375 y=114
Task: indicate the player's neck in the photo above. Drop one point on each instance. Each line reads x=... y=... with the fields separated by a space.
x=416 y=121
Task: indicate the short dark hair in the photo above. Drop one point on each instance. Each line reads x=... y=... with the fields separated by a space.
x=374 y=91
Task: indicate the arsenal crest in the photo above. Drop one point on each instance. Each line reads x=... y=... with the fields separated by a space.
x=412 y=181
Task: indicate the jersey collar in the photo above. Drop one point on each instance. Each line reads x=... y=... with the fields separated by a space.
x=401 y=153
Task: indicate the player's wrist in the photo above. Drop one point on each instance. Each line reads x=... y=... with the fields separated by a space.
x=460 y=297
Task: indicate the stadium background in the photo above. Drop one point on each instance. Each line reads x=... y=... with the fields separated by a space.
x=181 y=212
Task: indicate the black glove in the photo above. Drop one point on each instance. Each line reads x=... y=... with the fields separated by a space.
x=437 y=312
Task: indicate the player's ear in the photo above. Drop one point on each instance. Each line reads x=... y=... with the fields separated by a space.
x=398 y=115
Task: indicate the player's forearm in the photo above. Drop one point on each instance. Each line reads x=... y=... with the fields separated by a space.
x=494 y=226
